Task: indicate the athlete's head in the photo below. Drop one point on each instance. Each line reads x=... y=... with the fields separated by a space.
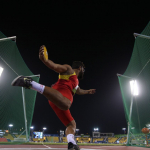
x=80 y=66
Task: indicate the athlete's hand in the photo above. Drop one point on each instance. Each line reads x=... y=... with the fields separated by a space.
x=91 y=91
x=41 y=54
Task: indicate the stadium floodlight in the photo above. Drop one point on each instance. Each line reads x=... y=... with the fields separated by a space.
x=77 y=130
x=31 y=127
x=124 y=129
x=134 y=87
x=1 y=70
x=148 y=125
x=10 y=125
x=61 y=131
x=44 y=128
x=96 y=129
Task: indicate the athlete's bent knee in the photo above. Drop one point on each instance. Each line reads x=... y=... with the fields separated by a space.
x=71 y=128
x=73 y=123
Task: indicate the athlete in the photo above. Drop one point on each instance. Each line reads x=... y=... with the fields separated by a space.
x=60 y=95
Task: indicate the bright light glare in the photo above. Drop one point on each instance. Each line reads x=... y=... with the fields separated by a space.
x=44 y=128
x=148 y=125
x=124 y=129
x=96 y=129
x=134 y=88
x=61 y=131
x=1 y=70
x=31 y=127
x=10 y=125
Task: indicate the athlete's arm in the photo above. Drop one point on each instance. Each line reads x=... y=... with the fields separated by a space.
x=50 y=64
x=83 y=92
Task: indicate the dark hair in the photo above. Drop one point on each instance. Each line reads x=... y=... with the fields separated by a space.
x=77 y=64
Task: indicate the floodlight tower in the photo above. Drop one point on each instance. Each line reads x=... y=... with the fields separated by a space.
x=31 y=132
x=96 y=133
x=124 y=129
x=134 y=92
x=77 y=131
x=44 y=130
x=10 y=126
x=61 y=135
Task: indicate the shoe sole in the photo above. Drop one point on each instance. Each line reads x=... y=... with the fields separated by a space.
x=72 y=149
x=13 y=82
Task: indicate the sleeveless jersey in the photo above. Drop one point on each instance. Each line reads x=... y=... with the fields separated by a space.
x=67 y=85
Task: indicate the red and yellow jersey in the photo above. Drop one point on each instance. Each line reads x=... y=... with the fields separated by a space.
x=67 y=85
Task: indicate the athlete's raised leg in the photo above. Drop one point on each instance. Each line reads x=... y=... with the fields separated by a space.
x=57 y=98
x=51 y=94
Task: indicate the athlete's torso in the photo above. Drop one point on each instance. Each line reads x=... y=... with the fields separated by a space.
x=68 y=81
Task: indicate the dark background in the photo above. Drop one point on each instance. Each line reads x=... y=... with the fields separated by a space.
x=99 y=33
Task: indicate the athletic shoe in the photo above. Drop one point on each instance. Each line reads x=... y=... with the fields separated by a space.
x=22 y=81
x=71 y=146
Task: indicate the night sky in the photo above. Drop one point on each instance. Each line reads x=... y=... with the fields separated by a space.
x=98 y=33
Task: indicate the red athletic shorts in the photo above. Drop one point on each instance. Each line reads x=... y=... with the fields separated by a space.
x=64 y=115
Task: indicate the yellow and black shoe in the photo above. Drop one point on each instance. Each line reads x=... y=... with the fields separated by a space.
x=22 y=81
x=71 y=146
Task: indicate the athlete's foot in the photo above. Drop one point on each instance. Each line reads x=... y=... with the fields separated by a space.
x=22 y=81
x=71 y=146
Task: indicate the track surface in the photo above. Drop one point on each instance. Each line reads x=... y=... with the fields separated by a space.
x=64 y=147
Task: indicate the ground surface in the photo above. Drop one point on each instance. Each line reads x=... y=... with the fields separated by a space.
x=64 y=147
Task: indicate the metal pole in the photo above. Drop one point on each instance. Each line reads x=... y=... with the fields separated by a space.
x=13 y=37
x=141 y=35
x=129 y=122
x=24 y=108
x=35 y=76
x=124 y=76
x=129 y=119
x=21 y=134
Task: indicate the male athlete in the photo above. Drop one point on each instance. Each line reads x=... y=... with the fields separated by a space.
x=60 y=95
